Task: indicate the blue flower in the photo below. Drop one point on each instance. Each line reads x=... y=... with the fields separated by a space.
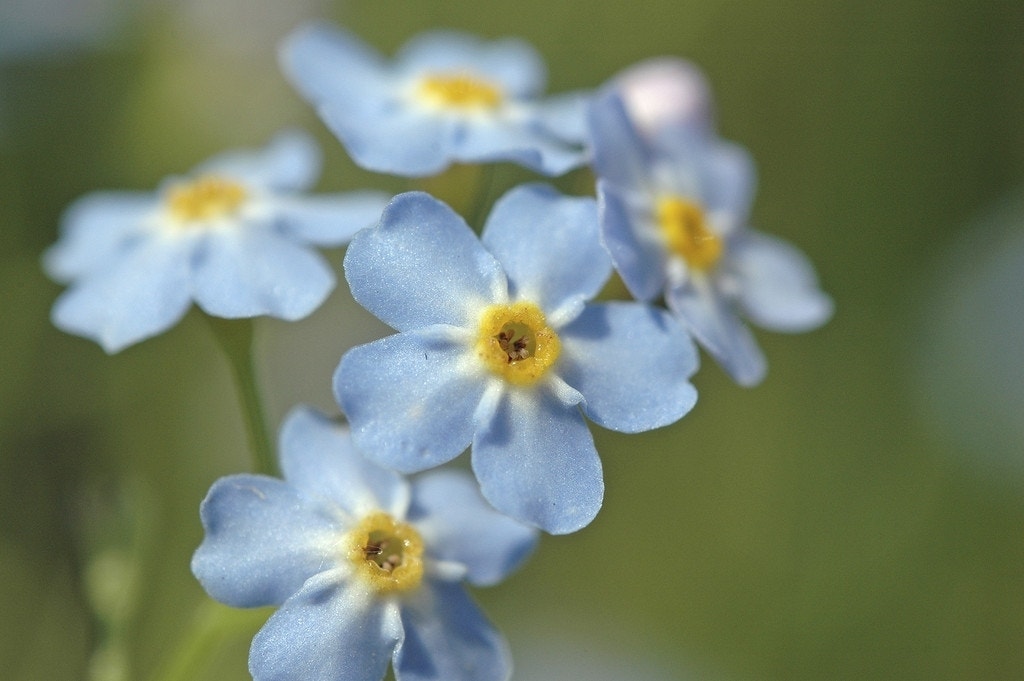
x=447 y=97
x=497 y=348
x=233 y=236
x=363 y=564
x=674 y=202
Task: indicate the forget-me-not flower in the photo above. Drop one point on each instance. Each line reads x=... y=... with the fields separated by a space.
x=674 y=203
x=665 y=91
x=364 y=565
x=234 y=236
x=498 y=348
x=447 y=97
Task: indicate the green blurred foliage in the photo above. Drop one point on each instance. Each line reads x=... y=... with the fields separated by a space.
x=815 y=527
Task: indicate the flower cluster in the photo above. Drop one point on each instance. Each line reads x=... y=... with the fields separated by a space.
x=499 y=347
x=364 y=565
x=233 y=236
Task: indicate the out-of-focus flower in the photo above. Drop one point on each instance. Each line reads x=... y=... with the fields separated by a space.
x=673 y=213
x=968 y=353
x=233 y=236
x=364 y=565
x=664 y=92
x=447 y=97
x=497 y=347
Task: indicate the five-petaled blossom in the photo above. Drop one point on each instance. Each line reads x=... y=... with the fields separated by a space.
x=497 y=348
x=447 y=97
x=674 y=201
x=233 y=236
x=364 y=565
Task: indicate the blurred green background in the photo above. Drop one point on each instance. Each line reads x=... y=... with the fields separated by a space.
x=857 y=516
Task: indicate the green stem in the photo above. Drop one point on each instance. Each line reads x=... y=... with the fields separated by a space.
x=211 y=625
x=482 y=192
x=235 y=337
x=466 y=188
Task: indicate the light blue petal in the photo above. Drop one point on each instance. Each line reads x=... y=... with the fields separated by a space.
x=458 y=525
x=410 y=398
x=565 y=116
x=143 y=293
x=778 y=288
x=289 y=162
x=95 y=229
x=714 y=324
x=536 y=462
x=639 y=260
x=249 y=271
x=414 y=142
x=329 y=220
x=262 y=541
x=682 y=164
x=548 y=244
x=320 y=461
x=510 y=63
x=422 y=265
x=632 y=363
x=328 y=64
x=522 y=142
x=619 y=156
x=447 y=638
x=720 y=175
x=392 y=137
x=328 y=630
x=730 y=180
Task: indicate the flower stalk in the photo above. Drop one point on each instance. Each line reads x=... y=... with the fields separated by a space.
x=235 y=338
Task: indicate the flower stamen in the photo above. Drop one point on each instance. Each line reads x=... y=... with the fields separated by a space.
x=516 y=343
x=207 y=198
x=684 y=226
x=459 y=90
x=387 y=554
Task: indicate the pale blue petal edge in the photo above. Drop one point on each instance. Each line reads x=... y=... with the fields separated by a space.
x=328 y=630
x=632 y=363
x=96 y=229
x=262 y=542
x=448 y=638
x=536 y=462
x=410 y=398
x=524 y=142
x=639 y=260
x=548 y=245
x=511 y=63
x=320 y=460
x=778 y=289
x=252 y=271
x=289 y=162
x=330 y=219
x=390 y=137
x=715 y=325
x=619 y=155
x=730 y=181
x=565 y=116
x=143 y=293
x=422 y=265
x=327 y=63
x=457 y=525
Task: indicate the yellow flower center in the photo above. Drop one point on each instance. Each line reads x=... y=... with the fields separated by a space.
x=516 y=343
x=686 y=233
x=459 y=90
x=387 y=554
x=207 y=198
